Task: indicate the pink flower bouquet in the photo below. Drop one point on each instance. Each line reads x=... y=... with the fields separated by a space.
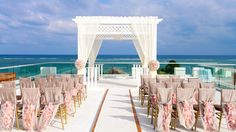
x=79 y=64
x=154 y=65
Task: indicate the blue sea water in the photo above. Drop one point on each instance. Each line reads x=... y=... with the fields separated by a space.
x=112 y=60
x=11 y=60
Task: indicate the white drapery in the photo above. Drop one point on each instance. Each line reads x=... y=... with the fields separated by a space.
x=139 y=50
x=145 y=32
x=142 y=30
x=86 y=37
x=94 y=52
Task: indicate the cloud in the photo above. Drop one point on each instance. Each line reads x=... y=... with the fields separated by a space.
x=61 y=26
x=197 y=24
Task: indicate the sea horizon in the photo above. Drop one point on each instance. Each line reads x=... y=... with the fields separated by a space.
x=14 y=59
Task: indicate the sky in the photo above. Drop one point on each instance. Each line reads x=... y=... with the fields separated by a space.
x=189 y=27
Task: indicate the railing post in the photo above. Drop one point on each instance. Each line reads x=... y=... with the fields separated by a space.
x=101 y=71
x=92 y=75
x=88 y=77
x=95 y=75
x=133 y=71
x=98 y=71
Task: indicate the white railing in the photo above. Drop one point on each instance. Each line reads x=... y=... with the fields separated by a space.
x=94 y=74
x=137 y=71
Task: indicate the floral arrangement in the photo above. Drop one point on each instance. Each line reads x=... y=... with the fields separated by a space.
x=188 y=114
x=154 y=65
x=230 y=110
x=47 y=115
x=7 y=114
x=28 y=116
x=79 y=64
x=166 y=116
x=208 y=117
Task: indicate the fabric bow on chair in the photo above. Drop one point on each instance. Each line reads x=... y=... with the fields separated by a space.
x=30 y=100
x=164 y=99
x=229 y=107
x=185 y=101
x=53 y=100
x=7 y=108
x=207 y=110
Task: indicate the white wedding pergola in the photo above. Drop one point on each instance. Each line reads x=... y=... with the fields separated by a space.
x=92 y=30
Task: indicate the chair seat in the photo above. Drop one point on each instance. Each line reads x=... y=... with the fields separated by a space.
x=218 y=107
x=196 y=107
x=18 y=97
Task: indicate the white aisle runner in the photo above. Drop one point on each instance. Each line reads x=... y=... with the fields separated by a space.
x=116 y=114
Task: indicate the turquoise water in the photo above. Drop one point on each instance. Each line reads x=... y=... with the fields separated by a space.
x=121 y=62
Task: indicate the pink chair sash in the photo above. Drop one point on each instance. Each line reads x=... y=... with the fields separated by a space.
x=69 y=102
x=230 y=111
x=29 y=116
x=7 y=116
x=173 y=85
x=207 y=110
x=185 y=107
x=47 y=116
x=229 y=107
x=7 y=108
x=153 y=91
x=53 y=100
x=165 y=108
x=30 y=100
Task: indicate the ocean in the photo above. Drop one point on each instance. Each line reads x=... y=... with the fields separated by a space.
x=121 y=62
x=12 y=60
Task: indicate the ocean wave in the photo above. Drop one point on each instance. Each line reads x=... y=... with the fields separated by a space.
x=120 y=59
x=15 y=58
x=47 y=58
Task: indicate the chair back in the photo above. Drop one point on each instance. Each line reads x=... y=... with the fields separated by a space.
x=30 y=96
x=51 y=77
x=26 y=83
x=206 y=95
x=155 y=86
x=163 y=80
x=53 y=95
x=79 y=79
x=9 y=84
x=207 y=85
x=185 y=94
x=193 y=80
x=66 y=77
x=164 y=95
x=228 y=96
x=70 y=84
x=7 y=94
x=190 y=85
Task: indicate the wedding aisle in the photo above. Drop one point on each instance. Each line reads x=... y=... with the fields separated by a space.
x=116 y=113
